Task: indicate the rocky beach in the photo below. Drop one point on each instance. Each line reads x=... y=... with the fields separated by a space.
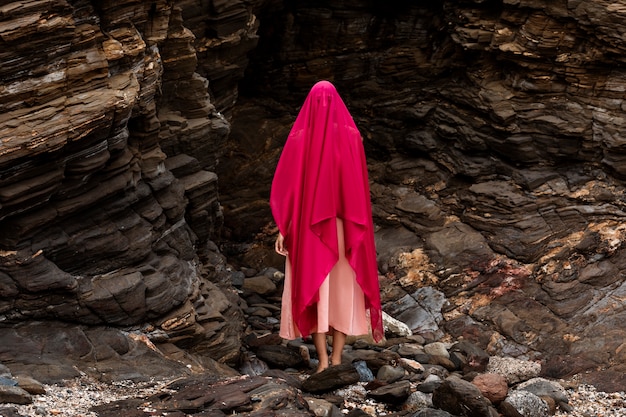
x=137 y=145
x=78 y=398
x=405 y=375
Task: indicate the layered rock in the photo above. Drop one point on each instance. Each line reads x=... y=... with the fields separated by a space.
x=108 y=196
x=494 y=132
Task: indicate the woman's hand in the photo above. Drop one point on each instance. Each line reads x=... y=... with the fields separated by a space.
x=279 y=246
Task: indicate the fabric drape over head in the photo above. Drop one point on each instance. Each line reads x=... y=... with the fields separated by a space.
x=322 y=176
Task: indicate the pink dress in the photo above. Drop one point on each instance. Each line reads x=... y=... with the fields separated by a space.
x=341 y=303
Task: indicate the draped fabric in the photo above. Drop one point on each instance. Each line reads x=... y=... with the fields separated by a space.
x=322 y=176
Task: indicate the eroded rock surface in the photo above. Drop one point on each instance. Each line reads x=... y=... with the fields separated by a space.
x=137 y=136
x=109 y=142
x=494 y=136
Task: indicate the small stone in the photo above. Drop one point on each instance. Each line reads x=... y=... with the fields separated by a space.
x=417 y=400
x=416 y=338
x=432 y=412
x=473 y=358
x=237 y=278
x=527 y=404
x=320 y=407
x=492 y=386
x=460 y=397
x=442 y=361
x=389 y=374
x=248 y=272
x=408 y=350
x=9 y=412
x=514 y=370
x=259 y=285
x=437 y=349
x=258 y=311
x=411 y=365
x=430 y=384
x=365 y=373
x=251 y=365
x=395 y=327
x=31 y=385
x=14 y=395
x=395 y=393
x=545 y=388
x=8 y=381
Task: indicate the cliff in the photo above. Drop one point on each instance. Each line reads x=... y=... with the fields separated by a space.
x=494 y=131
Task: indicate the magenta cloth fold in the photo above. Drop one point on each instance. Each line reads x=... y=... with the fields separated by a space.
x=322 y=176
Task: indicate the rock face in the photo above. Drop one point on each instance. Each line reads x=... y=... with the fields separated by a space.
x=494 y=131
x=108 y=148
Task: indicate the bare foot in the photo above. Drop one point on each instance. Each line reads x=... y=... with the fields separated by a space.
x=321 y=368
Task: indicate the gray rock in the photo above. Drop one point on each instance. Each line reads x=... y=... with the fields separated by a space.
x=322 y=408
x=389 y=374
x=420 y=311
x=437 y=349
x=430 y=383
x=542 y=387
x=365 y=373
x=331 y=378
x=252 y=366
x=394 y=393
x=8 y=381
x=395 y=327
x=527 y=403
x=514 y=370
x=14 y=395
x=408 y=350
x=10 y=412
x=417 y=401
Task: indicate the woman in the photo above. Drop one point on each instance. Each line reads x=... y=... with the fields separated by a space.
x=320 y=201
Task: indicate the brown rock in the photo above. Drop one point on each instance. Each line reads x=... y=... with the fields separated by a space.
x=475 y=358
x=442 y=361
x=394 y=393
x=460 y=397
x=14 y=395
x=30 y=385
x=493 y=387
x=280 y=356
x=374 y=359
x=261 y=285
x=331 y=378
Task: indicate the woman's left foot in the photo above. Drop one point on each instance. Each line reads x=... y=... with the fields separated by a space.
x=335 y=362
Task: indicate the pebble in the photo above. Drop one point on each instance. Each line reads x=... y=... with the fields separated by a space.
x=76 y=397
x=587 y=402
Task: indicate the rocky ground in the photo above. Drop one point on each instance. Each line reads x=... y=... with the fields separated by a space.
x=432 y=374
x=81 y=396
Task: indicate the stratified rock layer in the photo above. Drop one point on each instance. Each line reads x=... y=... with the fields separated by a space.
x=495 y=136
x=494 y=131
x=108 y=195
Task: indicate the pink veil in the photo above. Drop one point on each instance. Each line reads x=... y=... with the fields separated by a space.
x=322 y=175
